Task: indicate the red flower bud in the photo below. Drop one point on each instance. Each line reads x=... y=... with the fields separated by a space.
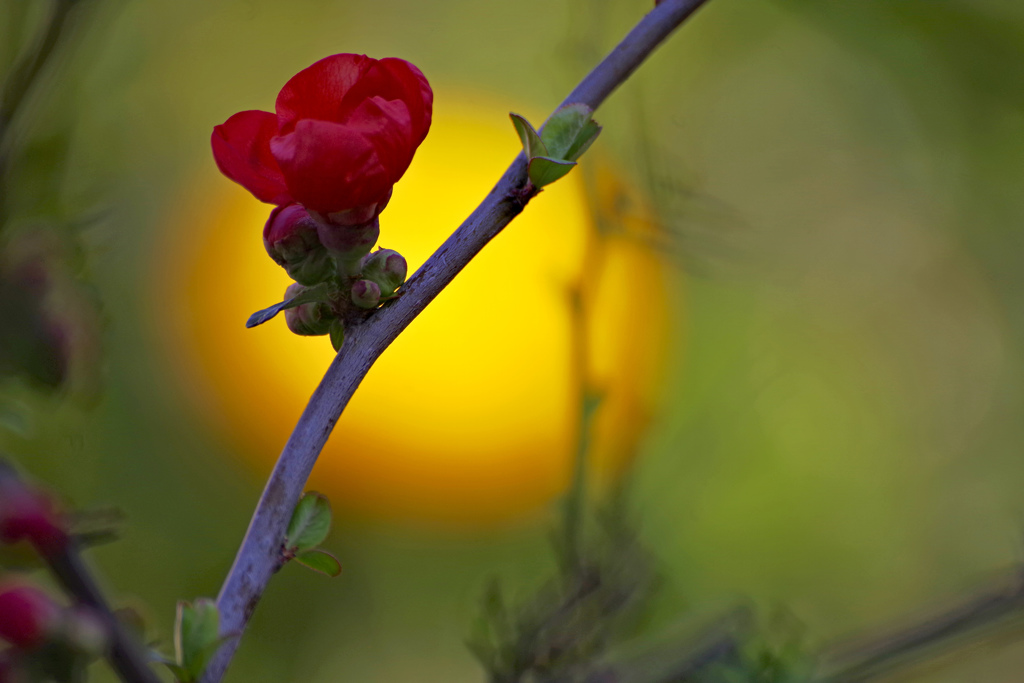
x=30 y=515
x=291 y=240
x=27 y=616
x=387 y=268
x=366 y=294
x=312 y=319
x=345 y=131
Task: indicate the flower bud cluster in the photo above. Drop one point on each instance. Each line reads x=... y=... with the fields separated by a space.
x=41 y=631
x=343 y=132
x=332 y=265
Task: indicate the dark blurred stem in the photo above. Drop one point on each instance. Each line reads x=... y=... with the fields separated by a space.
x=717 y=644
x=259 y=556
x=870 y=659
x=576 y=499
x=20 y=81
x=126 y=656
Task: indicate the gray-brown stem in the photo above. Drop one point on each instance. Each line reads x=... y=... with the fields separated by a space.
x=260 y=554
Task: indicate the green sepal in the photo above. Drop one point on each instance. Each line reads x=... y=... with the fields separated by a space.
x=337 y=334
x=310 y=523
x=544 y=170
x=532 y=143
x=308 y=296
x=320 y=560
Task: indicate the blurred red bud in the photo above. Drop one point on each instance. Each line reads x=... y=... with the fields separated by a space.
x=30 y=515
x=27 y=616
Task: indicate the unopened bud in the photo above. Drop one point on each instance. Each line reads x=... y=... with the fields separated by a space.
x=366 y=294
x=290 y=237
x=312 y=319
x=28 y=617
x=387 y=268
x=348 y=244
x=30 y=515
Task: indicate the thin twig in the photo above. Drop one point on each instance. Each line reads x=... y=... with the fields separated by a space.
x=21 y=79
x=715 y=644
x=259 y=556
x=868 y=659
x=126 y=655
x=575 y=503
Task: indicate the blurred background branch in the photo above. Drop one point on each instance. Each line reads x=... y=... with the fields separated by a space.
x=20 y=81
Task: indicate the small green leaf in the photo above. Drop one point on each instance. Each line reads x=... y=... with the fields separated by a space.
x=544 y=170
x=532 y=144
x=317 y=293
x=320 y=560
x=196 y=636
x=562 y=129
x=337 y=334
x=310 y=523
x=583 y=140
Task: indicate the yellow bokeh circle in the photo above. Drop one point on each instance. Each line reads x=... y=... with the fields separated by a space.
x=470 y=418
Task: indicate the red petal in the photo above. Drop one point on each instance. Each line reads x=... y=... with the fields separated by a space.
x=388 y=128
x=397 y=79
x=330 y=167
x=317 y=91
x=241 y=148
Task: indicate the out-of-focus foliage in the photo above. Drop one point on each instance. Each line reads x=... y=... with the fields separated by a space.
x=564 y=631
x=50 y=337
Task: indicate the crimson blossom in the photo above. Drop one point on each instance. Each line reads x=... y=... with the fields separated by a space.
x=344 y=132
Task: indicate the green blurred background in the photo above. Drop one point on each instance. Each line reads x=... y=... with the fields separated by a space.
x=842 y=432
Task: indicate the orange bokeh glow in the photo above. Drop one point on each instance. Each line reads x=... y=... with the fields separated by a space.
x=469 y=419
